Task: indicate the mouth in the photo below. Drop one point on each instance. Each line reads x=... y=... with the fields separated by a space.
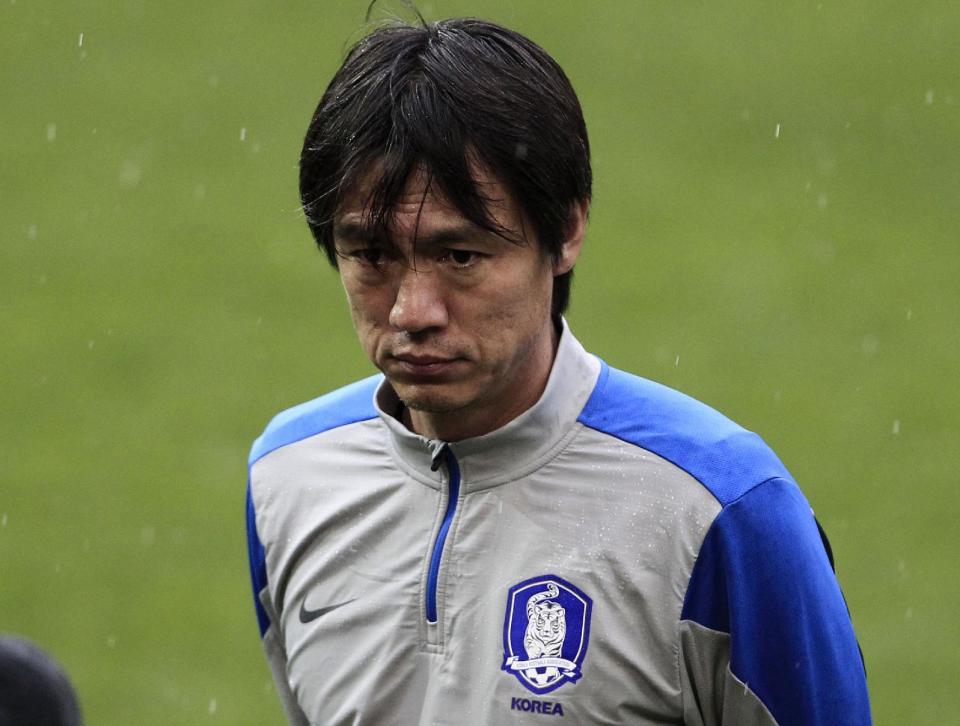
x=409 y=365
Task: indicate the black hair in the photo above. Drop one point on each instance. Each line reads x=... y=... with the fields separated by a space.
x=445 y=98
x=33 y=687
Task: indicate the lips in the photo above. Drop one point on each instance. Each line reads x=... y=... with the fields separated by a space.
x=422 y=360
x=420 y=365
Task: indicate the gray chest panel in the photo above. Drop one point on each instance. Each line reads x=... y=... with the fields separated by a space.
x=343 y=526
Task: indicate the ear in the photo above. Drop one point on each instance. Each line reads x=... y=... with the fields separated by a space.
x=576 y=230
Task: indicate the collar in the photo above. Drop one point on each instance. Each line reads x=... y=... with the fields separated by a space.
x=515 y=449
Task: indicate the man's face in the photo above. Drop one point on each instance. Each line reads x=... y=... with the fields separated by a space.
x=456 y=317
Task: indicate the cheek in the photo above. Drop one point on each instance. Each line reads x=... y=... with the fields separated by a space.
x=369 y=318
x=510 y=305
x=369 y=307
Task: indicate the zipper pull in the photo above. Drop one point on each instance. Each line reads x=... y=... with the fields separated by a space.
x=438 y=452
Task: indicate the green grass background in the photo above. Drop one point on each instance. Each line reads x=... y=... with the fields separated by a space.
x=774 y=232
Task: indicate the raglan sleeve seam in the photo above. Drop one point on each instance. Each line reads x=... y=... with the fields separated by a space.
x=678 y=625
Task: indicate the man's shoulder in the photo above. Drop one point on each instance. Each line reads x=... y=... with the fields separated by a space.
x=723 y=456
x=351 y=404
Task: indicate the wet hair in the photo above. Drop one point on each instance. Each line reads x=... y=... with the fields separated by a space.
x=33 y=687
x=445 y=99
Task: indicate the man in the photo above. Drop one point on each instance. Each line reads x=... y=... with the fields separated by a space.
x=501 y=528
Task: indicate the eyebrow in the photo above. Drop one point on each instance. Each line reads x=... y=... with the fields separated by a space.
x=356 y=231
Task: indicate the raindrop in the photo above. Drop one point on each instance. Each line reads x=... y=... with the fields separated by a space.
x=243 y=134
x=826 y=164
x=80 y=41
x=909 y=314
x=212 y=706
x=776 y=132
x=111 y=641
x=3 y=520
x=676 y=361
x=928 y=99
x=130 y=173
x=823 y=250
x=896 y=427
x=51 y=132
x=822 y=201
x=90 y=344
x=869 y=344
x=909 y=614
x=32 y=231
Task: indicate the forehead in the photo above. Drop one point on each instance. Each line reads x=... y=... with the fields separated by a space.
x=422 y=201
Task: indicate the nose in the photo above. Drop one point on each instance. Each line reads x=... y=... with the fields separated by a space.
x=419 y=304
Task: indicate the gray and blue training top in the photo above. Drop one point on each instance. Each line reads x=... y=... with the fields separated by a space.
x=618 y=554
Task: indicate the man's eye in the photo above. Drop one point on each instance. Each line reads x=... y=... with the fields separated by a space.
x=372 y=256
x=462 y=258
x=367 y=256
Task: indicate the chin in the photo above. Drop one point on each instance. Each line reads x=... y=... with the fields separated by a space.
x=422 y=398
x=432 y=404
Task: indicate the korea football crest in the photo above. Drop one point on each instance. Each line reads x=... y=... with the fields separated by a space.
x=546 y=630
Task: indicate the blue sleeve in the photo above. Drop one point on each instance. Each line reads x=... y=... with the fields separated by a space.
x=763 y=577
x=258 y=566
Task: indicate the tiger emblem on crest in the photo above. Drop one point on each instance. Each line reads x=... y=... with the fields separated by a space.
x=546 y=631
x=546 y=624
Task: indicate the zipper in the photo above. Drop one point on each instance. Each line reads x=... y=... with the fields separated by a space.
x=453 y=493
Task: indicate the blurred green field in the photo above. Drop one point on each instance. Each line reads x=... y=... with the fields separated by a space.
x=774 y=231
